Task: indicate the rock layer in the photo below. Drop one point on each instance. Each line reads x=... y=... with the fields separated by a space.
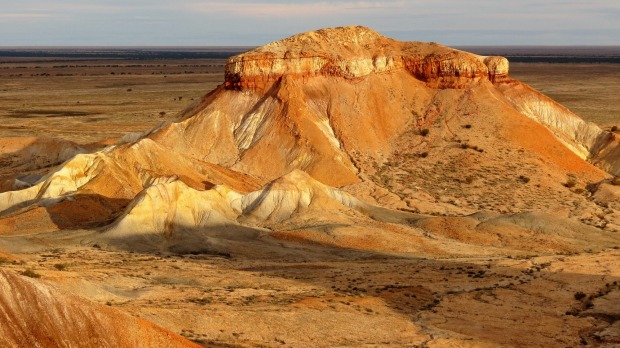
x=356 y=52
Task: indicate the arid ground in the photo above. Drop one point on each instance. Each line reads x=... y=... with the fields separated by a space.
x=589 y=90
x=286 y=291
x=93 y=100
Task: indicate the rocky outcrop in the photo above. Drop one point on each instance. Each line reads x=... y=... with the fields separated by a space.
x=90 y=190
x=23 y=159
x=165 y=209
x=498 y=68
x=356 y=52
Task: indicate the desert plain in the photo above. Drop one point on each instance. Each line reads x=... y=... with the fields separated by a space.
x=464 y=244
x=92 y=100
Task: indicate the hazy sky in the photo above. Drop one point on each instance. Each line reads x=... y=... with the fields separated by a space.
x=255 y=22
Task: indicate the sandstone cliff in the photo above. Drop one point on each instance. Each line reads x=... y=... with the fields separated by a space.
x=356 y=52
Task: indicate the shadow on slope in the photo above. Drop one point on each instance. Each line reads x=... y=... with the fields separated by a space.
x=78 y=211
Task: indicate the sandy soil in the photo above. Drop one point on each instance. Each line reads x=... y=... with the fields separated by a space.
x=323 y=297
x=90 y=100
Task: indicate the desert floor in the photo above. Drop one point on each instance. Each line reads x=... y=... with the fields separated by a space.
x=589 y=90
x=304 y=295
x=93 y=100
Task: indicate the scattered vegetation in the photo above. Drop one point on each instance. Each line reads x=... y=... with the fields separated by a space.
x=579 y=191
x=162 y=114
x=30 y=273
x=586 y=301
x=570 y=183
x=524 y=179
x=466 y=146
x=200 y=300
x=614 y=128
x=424 y=132
x=61 y=266
x=468 y=126
x=592 y=187
x=579 y=295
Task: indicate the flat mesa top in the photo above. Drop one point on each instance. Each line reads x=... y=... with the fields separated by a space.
x=355 y=52
x=351 y=41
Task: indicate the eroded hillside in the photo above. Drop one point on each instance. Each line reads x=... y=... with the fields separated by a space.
x=339 y=145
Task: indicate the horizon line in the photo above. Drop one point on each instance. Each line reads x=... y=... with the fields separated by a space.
x=254 y=46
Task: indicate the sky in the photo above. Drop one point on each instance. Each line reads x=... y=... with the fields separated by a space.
x=256 y=22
